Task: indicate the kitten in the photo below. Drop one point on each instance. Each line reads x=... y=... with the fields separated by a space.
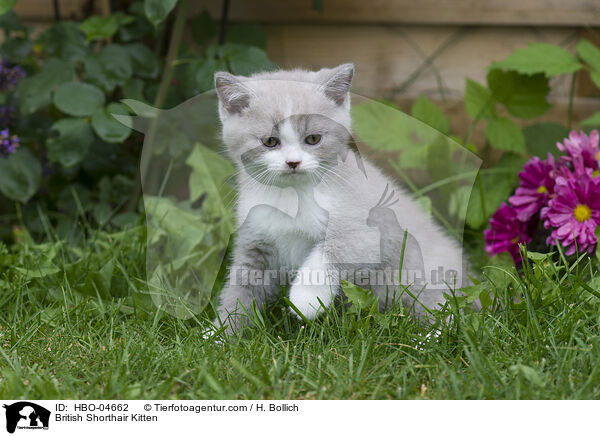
x=311 y=211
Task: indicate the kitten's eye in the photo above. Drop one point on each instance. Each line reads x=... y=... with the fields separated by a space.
x=271 y=141
x=312 y=139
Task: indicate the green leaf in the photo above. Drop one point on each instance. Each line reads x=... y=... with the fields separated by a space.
x=597 y=233
x=245 y=60
x=595 y=76
x=64 y=40
x=205 y=73
x=211 y=172
x=541 y=138
x=504 y=134
x=478 y=101
x=6 y=5
x=107 y=127
x=96 y=74
x=528 y=373
x=78 y=99
x=116 y=62
x=589 y=53
x=594 y=120
x=203 y=28
x=157 y=10
x=20 y=175
x=73 y=142
x=143 y=60
x=549 y=59
x=251 y=34
x=381 y=126
x=524 y=96
x=10 y=22
x=424 y=110
x=134 y=89
x=497 y=183
x=99 y=27
x=16 y=50
x=359 y=297
x=34 y=92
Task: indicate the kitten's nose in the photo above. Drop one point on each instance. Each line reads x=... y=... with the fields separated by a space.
x=293 y=164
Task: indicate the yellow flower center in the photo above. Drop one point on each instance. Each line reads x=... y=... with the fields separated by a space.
x=596 y=173
x=598 y=155
x=514 y=240
x=582 y=213
x=542 y=190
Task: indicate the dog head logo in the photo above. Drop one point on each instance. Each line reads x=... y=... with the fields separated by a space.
x=26 y=415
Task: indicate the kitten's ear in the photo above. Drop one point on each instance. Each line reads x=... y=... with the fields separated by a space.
x=234 y=96
x=338 y=81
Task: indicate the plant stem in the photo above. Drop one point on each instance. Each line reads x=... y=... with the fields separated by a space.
x=571 y=95
x=174 y=43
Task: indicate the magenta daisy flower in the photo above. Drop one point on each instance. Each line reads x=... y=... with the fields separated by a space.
x=580 y=144
x=506 y=232
x=574 y=213
x=537 y=184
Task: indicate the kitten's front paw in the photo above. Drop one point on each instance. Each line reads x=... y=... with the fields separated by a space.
x=306 y=299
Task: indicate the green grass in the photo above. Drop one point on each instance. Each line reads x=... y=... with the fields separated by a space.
x=62 y=336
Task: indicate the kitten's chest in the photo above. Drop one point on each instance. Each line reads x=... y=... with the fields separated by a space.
x=284 y=214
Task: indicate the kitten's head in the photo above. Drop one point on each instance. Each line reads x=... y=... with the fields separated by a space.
x=286 y=127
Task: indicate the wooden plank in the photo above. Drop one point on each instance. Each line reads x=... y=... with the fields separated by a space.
x=388 y=58
x=474 y=12
x=43 y=10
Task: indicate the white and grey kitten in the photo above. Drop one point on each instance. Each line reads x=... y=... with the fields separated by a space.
x=311 y=211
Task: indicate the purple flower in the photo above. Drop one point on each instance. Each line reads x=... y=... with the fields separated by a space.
x=574 y=213
x=8 y=143
x=537 y=184
x=578 y=144
x=10 y=76
x=506 y=232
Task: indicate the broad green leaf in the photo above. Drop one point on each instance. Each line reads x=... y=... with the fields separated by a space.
x=64 y=40
x=245 y=60
x=10 y=22
x=478 y=101
x=73 y=142
x=107 y=127
x=78 y=99
x=96 y=74
x=549 y=59
x=424 y=110
x=16 y=50
x=504 y=134
x=359 y=297
x=6 y=5
x=20 y=175
x=134 y=89
x=143 y=60
x=98 y=280
x=116 y=62
x=541 y=138
x=594 y=120
x=590 y=54
x=497 y=183
x=157 y=10
x=34 y=92
x=381 y=127
x=99 y=27
x=246 y=34
x=595 y=76
x=203 y=28
x=523 y=95
x=186 y=228
x=597 y=234
x=205 y=73
x=211 y=172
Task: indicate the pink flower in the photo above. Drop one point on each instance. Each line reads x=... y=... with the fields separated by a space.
x=578 y=144
x=537 y=184
x=506 y=232
x=574 y=212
